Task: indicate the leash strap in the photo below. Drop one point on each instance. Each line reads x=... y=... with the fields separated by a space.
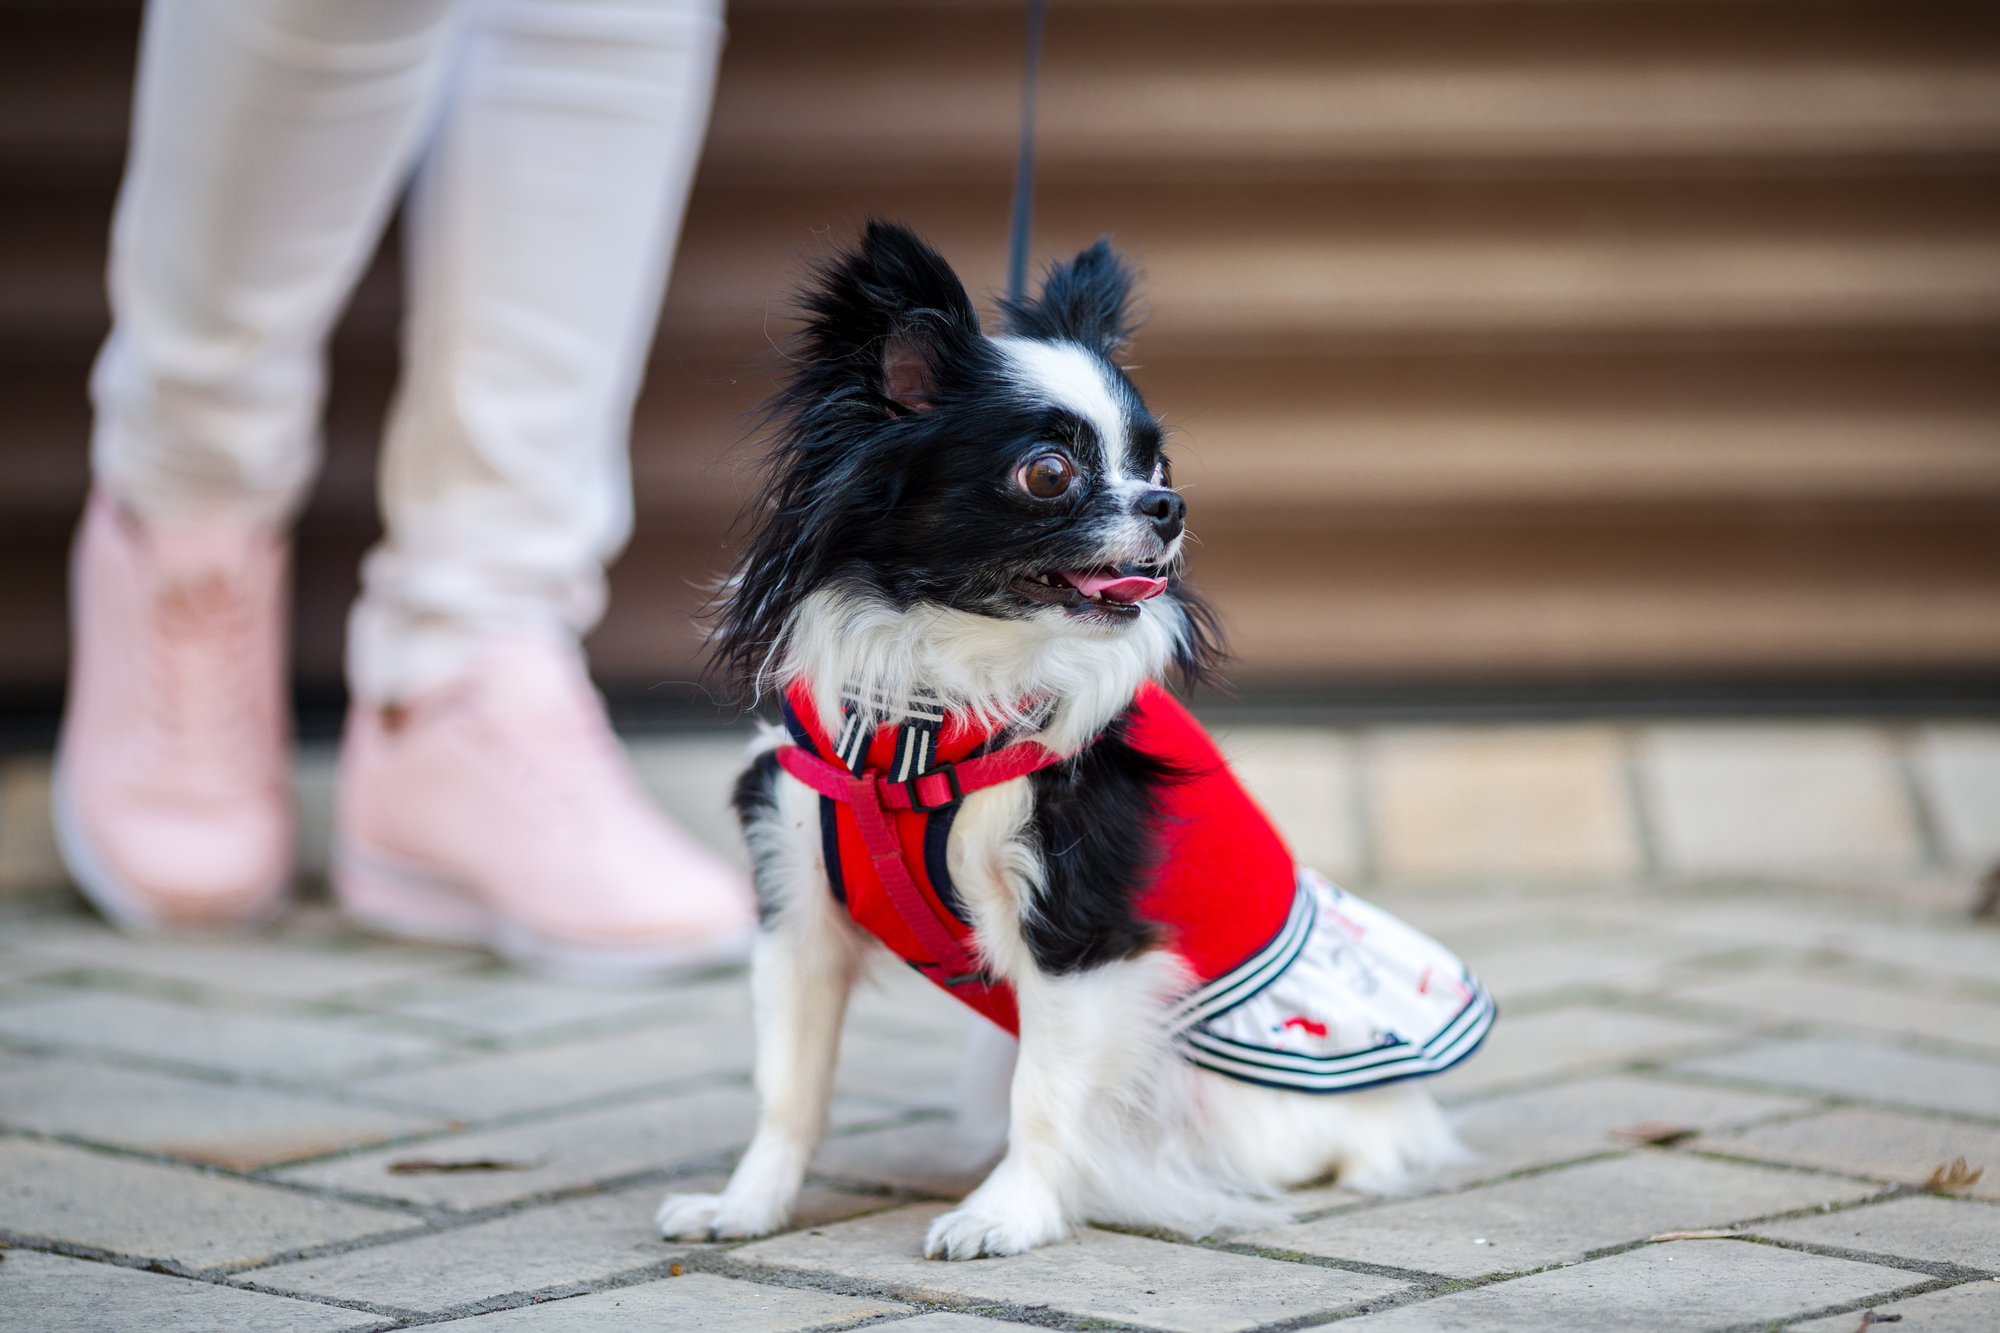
x=872 y=796
x=1024 y=165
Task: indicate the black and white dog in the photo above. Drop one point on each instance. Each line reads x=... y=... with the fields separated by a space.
x=965 y=584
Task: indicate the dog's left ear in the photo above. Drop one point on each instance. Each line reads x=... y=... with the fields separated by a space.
x=1087 y=300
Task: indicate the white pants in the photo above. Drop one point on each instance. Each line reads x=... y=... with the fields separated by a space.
x=553 y=143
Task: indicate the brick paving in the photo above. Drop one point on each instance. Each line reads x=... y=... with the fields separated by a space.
x=1755 y=937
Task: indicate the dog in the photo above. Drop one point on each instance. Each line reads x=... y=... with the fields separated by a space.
x=965 y=585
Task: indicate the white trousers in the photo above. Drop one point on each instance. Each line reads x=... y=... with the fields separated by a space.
x=552 y=144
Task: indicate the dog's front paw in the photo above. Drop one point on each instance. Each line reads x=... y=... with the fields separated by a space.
x=718 y=1217
x=686 y=1216
x=979 y=1232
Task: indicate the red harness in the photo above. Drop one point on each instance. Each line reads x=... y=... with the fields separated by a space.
x=1224 y=881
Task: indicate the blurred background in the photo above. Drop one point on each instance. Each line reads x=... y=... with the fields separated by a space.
x=1566 y=355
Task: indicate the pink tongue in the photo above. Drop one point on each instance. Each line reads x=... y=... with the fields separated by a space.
x=1113 y=586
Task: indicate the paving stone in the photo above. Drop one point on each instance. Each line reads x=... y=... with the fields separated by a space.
x=1663 y=1288
x=1863 y=1072
x=1305 y=778
x=1523 y=801
x=1563 y=1041
x=1959 y=767
x=582 y=1240
x=691 y=777
x=899 y=1070
x=1548 y=1125
x=1558 y=1216
x=697 y=1301
x=1862 y=1141
x=510 y=1005
x=29 y=861
x=949 y=1322
x=315 y=774
x=558 y=1153
x=893 y=1000
x=233 y=1125
x=48 y=1293
x=1730 y=799
x=1096 y=1275
x=238 y=1043
x=1515 y=974
x=487 y=1086
x=924 y=1158
x=1955 y=1231
x=300 y=965
x=56 y=1192
x=1972 y=1307
x=1853 y=1004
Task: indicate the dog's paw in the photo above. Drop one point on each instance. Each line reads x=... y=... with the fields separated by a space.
x=718 y=1217
x=686 y=1216
x=975 y=1232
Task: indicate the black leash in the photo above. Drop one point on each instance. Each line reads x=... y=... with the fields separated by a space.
x=1024 y=166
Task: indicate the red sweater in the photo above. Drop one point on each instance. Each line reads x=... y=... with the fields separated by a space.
x=1223 y=884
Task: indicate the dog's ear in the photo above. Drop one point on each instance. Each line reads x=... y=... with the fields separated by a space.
x=1088 y=301
x=889 y=314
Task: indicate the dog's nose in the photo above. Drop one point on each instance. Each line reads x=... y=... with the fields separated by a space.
x=1166 y=510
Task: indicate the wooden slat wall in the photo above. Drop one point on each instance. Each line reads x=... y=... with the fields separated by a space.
x=1587 y=338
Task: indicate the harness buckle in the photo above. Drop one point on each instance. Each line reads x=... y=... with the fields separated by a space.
x=949 y=772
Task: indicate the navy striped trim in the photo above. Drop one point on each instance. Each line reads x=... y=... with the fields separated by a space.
x=1345 y=1073
x=1262 y=968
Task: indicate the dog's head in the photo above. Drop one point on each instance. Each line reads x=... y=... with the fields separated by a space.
x=921 y=465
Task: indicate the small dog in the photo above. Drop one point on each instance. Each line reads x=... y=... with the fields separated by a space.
x=965 y=586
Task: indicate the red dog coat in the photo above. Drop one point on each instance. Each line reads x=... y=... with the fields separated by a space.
x=1225 y=891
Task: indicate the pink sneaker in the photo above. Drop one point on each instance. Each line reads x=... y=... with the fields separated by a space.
x=172 y=797
x=499 y=810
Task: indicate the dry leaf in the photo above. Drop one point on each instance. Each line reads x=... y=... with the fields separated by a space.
x=1953 y=1175
x=1658 y=1133
x=1693 y=1235
x=424 y=1166
x=1870 y=1318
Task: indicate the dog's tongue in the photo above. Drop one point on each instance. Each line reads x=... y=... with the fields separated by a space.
x=1113 y=586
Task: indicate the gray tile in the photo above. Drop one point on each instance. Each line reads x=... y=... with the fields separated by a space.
x=924 y=1158
x=29 y=862
x=581 y=1240
x=1095 y=1275
x=1306 y=779
x=487 y=1086
x=1515 y=974
x=509 y=1005
x=691 y=778
x=1973 y=1307
x=1558 y=1216
x=1654 y=1289
x=1734 y=798
x=1565 y=1041
x=1863 y=1141
x=299 y=965
x=216 y=1039
x=949 y=1322
x=563 y=1152
x=1863 y=1072
x=223 y=1124
x=1959 y=767
x=1853 y=1004
x=894 y=1001
x=697 y=1301
x=56 y=1192
x=1953 y=1231
x=578 y=1241
x=315 y=779
x=47 y=1293
x=1548 y=1125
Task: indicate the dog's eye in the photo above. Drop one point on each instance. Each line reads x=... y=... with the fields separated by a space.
x=1046 y=476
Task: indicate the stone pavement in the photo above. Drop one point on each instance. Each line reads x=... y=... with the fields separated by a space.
x=1742 y=998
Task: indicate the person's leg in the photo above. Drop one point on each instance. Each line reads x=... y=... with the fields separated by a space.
x=483 y=796
x=269 y=140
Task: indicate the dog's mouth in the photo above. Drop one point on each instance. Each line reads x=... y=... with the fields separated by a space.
x=1103 y=592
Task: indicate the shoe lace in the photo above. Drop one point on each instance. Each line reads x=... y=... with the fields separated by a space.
x=206 y=702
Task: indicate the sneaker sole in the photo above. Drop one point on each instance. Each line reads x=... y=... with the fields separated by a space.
x=397 y=896
x=115 y=900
